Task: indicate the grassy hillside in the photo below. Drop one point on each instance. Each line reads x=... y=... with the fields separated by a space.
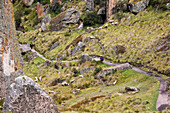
x=139 y=35
x=90 y=94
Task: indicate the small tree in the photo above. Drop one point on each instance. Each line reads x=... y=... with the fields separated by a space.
x=91 y=18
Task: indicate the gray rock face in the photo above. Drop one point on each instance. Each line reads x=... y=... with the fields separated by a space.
x=136 y=89
x=20 y=93
x=101 y=11
x=112 y=69
x=85 y=58
x=55 y=45
x=3 y=86
x=27 y=96
x=43 y=27
x=78 y=47
x=25 y=48
x=139 y=6
x=168 y=5
x=46 y=20
x=90 y=5
x=72 y=16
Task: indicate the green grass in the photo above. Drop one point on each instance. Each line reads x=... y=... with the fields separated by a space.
x=126 y=78
x=101 y=64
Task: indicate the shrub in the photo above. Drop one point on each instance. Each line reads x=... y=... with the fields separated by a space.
x=76 y=72
x=67 y=34
x=91 y=18
x=97 y=70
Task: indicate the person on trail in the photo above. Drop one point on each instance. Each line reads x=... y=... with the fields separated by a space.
x=101 y=58
x=31 y=45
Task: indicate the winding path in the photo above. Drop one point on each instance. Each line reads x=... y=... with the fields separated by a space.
x=163 y=101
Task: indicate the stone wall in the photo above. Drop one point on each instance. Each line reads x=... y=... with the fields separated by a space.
x=19 y=92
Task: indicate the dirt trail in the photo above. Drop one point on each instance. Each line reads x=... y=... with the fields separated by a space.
x=163 y=101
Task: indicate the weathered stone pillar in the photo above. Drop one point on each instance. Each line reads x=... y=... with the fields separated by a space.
x=20 y=93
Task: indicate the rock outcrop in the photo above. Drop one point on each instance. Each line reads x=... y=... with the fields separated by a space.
x=90 y=5
x=55 y=45
x=40 y=10
x=86 y=57
x=26 y=96
x=25 y=48
x=113 y=69
x=70 y=16
x=78 y=47
x=137 y=6
x=28 y=2
x=19 y=92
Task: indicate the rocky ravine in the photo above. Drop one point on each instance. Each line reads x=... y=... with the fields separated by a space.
x=19 y=92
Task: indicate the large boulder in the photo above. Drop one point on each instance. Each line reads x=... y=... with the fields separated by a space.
x=70 y=16
x=101 y=11
x=25 y=48
x=85 y=58
x=78 y=47
x=137 y=6
x=25 y=95
x=135 y=89
x=90 y=5
x=55 y=45
x=28 y=2
x=47 y=19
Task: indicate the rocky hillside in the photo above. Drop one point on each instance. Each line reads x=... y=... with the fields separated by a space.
x=62 y=41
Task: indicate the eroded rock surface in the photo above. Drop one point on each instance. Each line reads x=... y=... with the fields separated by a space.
x=27 y=96
x=19 y=92
x=70 y=16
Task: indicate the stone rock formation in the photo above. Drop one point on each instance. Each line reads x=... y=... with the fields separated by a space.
x=78 y=47
x=90 y=5
x=70 y=16
x=40 y=10
x=86 y=57
x=25 y=48
x=28 y=2
x=27 y=96
x=19 y=92
x=112 y=69
x=138 y=6
x=55 y=45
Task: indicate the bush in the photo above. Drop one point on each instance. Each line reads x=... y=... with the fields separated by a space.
x=76 y=72
x=97 y=70
x=67 y=34
x=157 y=3
x=91 y=19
